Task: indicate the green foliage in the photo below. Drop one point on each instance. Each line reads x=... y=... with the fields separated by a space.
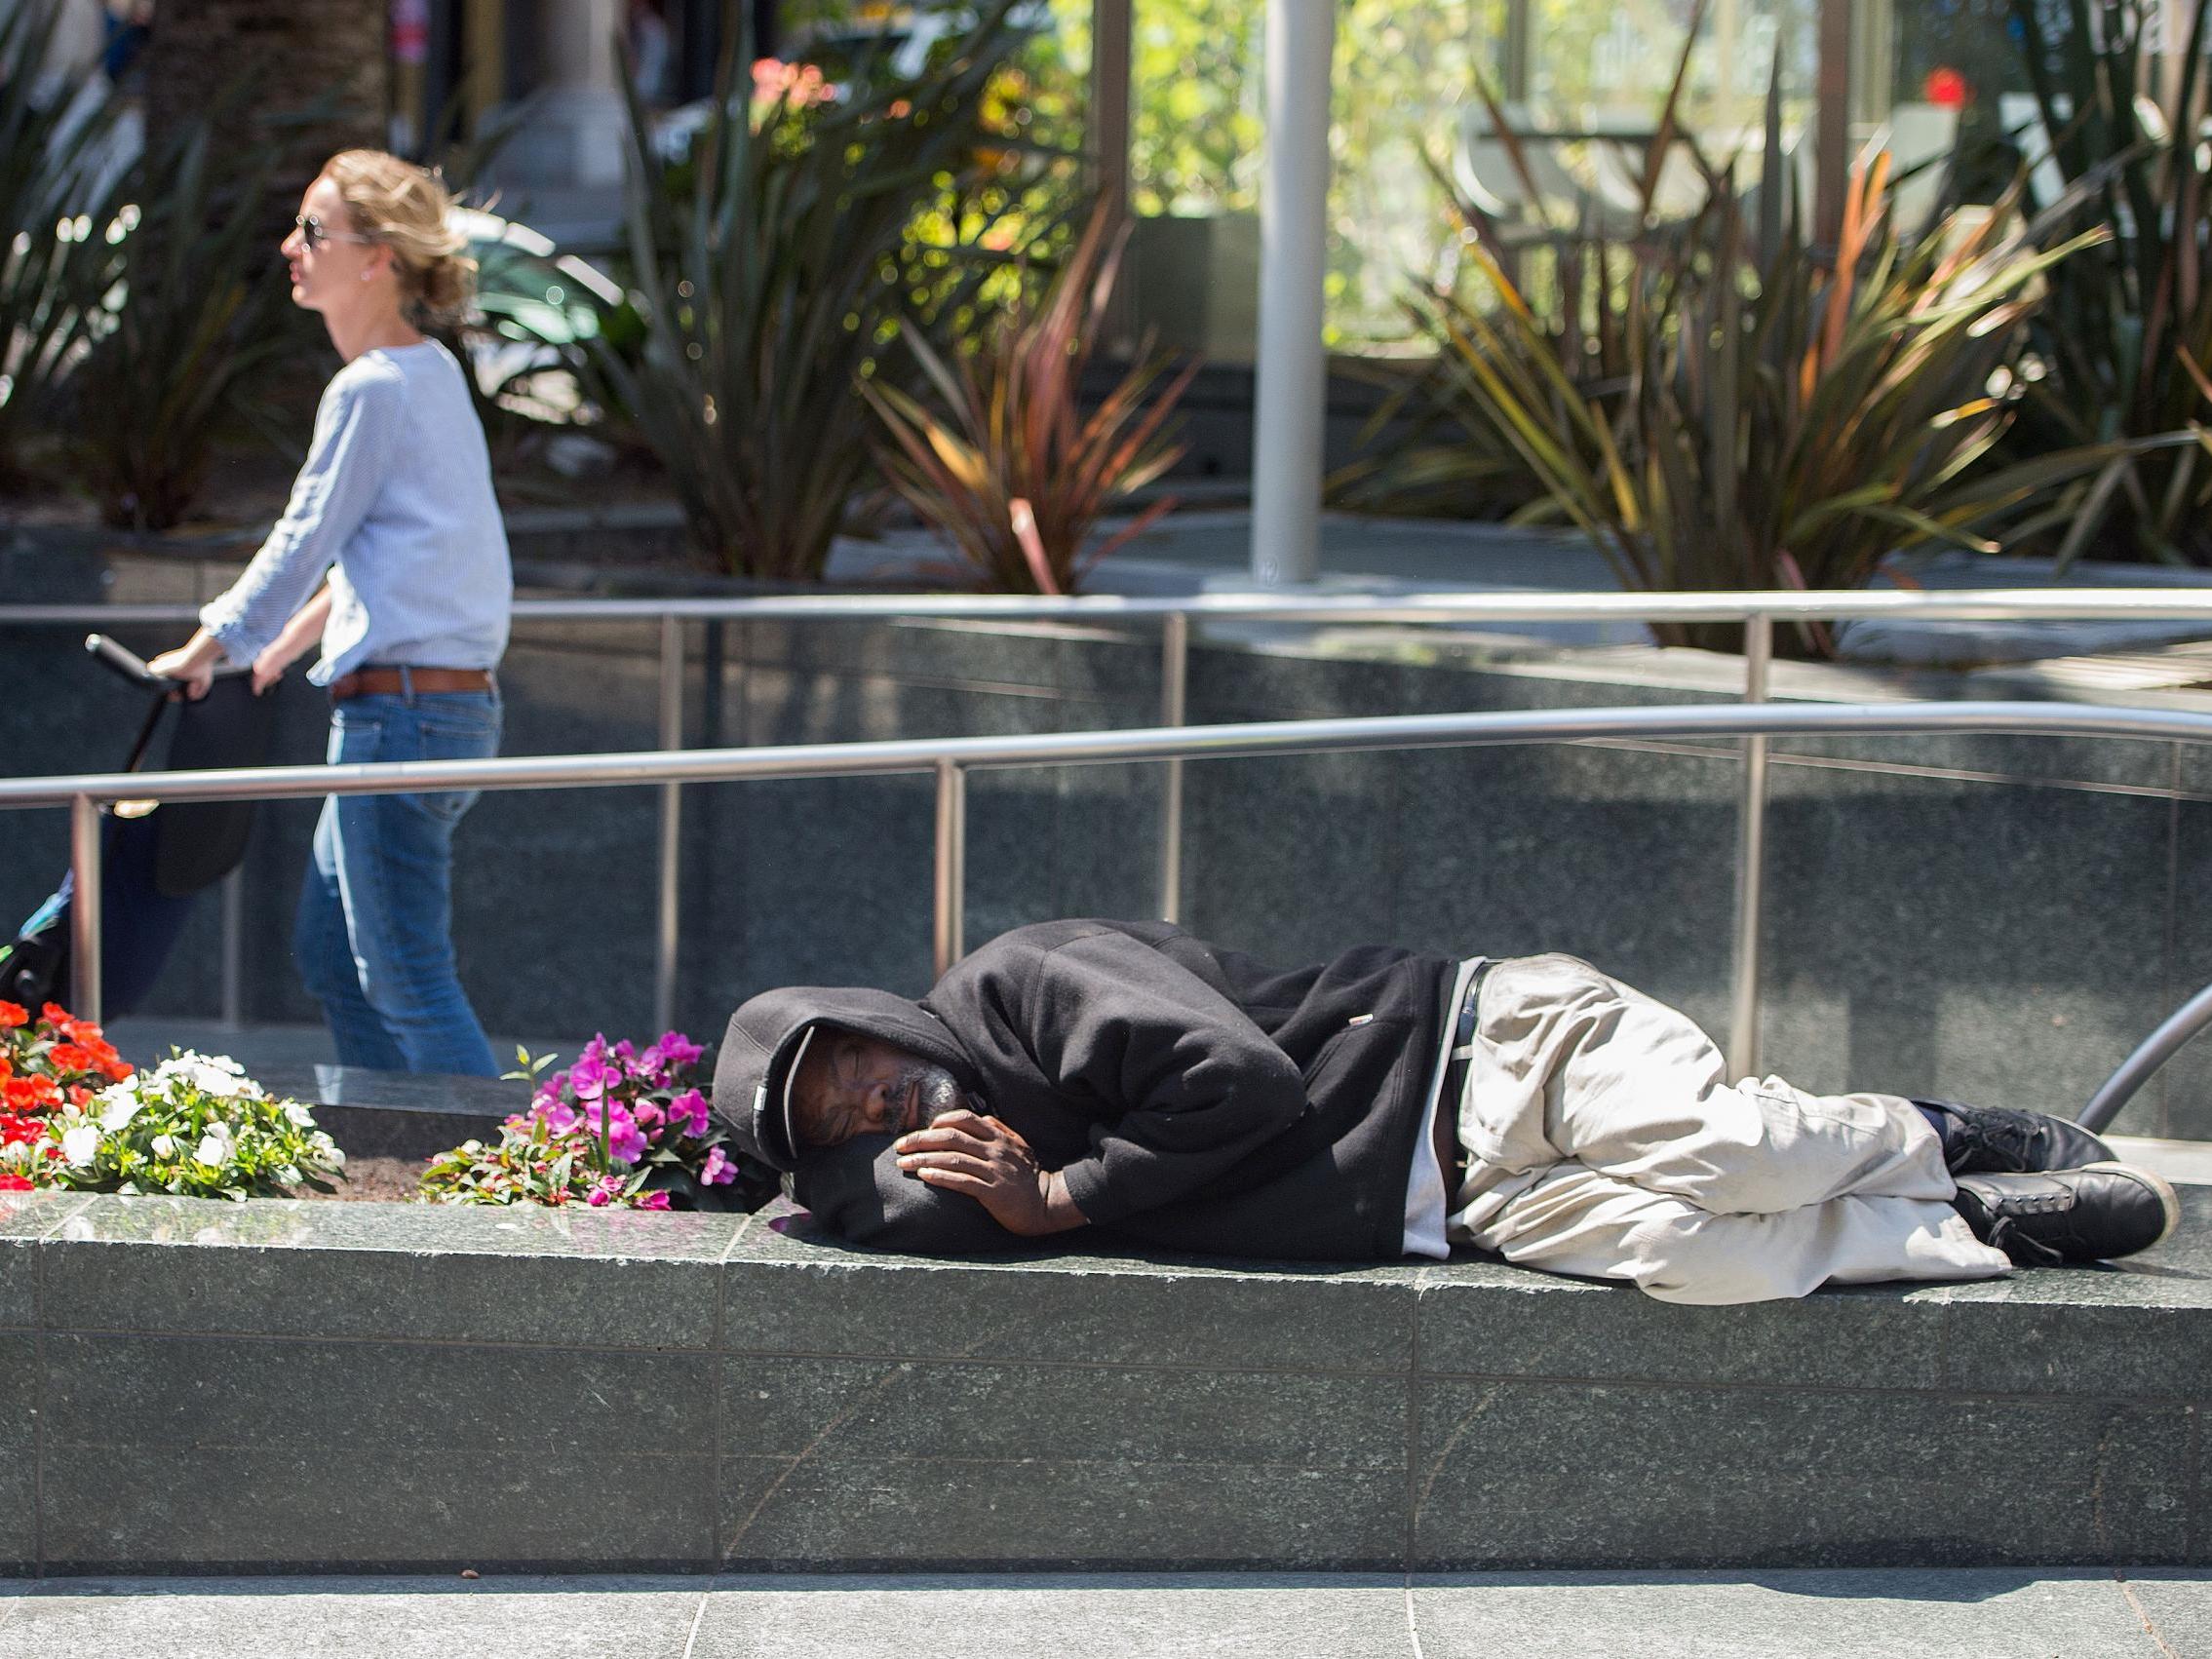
x=1752 y=416
x=771 y=267
x=2127 y=332
x=1006 y=465
x=58 y=230
x=195 y=315
x=196 y=1127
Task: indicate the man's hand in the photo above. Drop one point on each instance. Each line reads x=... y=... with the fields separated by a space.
x=963 y=1152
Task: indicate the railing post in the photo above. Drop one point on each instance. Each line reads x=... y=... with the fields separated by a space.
x=669 y=932
x=1175 y=694
x=234 y=949
x=1751 y=857
x=951 y=859
x=84 y=908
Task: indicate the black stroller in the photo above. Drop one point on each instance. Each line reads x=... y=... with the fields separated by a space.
x=154 y=860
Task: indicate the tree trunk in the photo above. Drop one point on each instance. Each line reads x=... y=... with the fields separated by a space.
x=327 y=57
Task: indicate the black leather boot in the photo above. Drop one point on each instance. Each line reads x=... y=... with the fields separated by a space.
x=2049 y=1217
x=1998 y=1139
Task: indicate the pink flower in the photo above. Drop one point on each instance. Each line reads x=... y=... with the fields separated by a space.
x=593 y=1076
x=718 y=1169
x=674 y=1049
x=652 y=1201
x=596 y=1196
x=647 y=1114
x=688 y=1112
x=624 y=1138
x=559 y=1115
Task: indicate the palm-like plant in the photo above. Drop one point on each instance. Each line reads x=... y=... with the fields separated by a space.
x=772 y=268
x=1784 y=422
x=58 y=232
x=1008 y=467
x=2127 y=331
x=196 y=317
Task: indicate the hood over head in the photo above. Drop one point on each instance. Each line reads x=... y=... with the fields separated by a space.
x=764 y=1040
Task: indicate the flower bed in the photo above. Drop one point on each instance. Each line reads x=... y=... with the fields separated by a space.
x=619 y=1128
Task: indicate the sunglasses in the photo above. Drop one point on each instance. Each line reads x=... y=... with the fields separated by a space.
x=316 y=234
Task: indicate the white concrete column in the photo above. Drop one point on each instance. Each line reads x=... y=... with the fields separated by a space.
x=1292 y=382
x=576 y=137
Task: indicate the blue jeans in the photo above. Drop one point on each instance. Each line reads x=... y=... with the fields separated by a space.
x=375 y=937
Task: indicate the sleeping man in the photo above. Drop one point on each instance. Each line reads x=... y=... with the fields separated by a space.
x=1128 y=1079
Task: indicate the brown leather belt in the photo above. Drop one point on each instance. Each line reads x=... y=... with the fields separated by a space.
x=398 y=682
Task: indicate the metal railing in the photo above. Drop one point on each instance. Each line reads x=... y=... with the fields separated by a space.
x=672 y=766
x=951 y=758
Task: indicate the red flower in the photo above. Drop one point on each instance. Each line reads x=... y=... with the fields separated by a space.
x=19 y=1093
x=12 y=1015
x=68 y=1058
x=13 y=1182
x=79 y=1093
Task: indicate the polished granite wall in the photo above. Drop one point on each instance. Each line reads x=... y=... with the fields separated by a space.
x=199 y=1386
x=1981 y=918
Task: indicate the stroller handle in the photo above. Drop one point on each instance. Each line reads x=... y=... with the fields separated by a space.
x=121 y=660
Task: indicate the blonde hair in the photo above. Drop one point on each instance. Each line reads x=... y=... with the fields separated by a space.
x=397 y=204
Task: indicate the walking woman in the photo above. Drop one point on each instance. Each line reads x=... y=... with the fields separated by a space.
x=395 y=507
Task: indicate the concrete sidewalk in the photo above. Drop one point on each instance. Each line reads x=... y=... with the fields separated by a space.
x=2076 y=1615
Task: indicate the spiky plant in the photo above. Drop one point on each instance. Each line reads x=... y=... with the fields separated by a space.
x=57 y=233
x=772 y=268
x=1003 y=461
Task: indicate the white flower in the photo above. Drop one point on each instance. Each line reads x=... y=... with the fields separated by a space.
x=211 y=1152
x=301 y=1117
x=217 y=1075
x=289 y=1175
x=117 y=1094
x=119 y=1113
x=80 y=1145
x=164 y=1145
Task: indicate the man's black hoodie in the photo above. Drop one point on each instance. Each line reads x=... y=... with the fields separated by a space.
x=1191 y=1098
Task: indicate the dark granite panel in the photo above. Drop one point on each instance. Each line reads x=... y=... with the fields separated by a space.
x=1514 y=1474
x=25 y=1218
x=923 y=1463
x=1505 y=1322
x=217 y=1395
x=554 y=904
x=901 y=1410
x=836 y=874
x=1624 y=858
x=560 y=1503
x=788 y=1297
x=1291 y=858
x=2177 y=1101
x=1055 y=1509
x=2058 y=1334
x=19 y=1452
x=625 y=1279
x=1985 y=942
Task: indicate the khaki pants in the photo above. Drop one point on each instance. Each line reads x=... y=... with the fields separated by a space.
x=1605 y=1141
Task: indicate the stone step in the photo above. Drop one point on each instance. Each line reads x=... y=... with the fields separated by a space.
x=301 y=1386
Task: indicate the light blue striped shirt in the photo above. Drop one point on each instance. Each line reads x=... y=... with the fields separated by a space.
x=396 y=503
